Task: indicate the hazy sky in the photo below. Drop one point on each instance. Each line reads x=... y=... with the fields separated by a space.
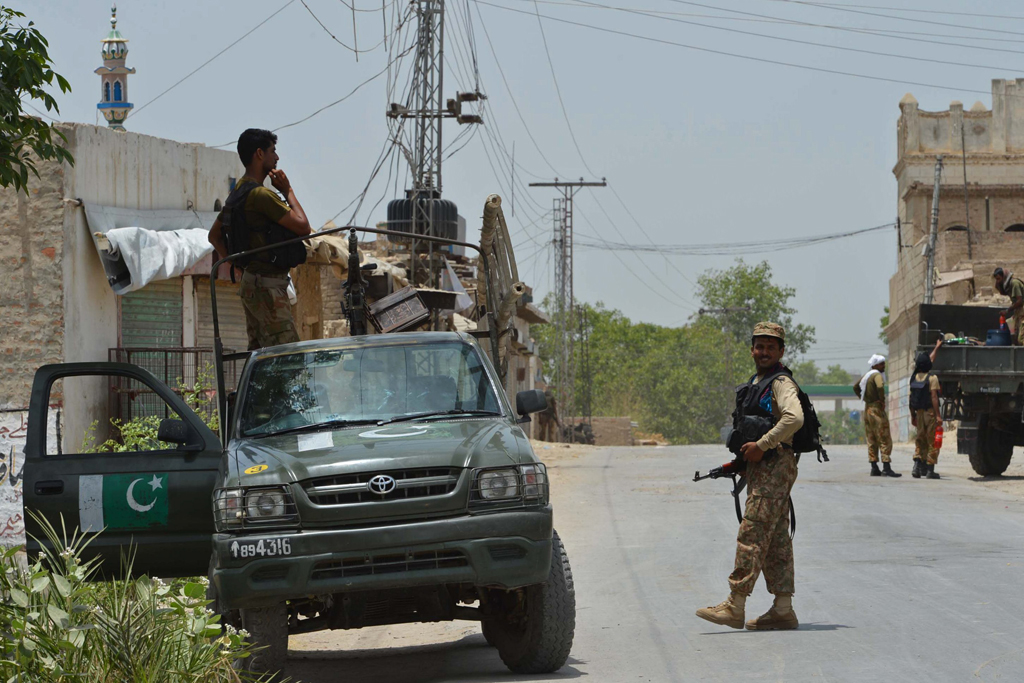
x=701 y=146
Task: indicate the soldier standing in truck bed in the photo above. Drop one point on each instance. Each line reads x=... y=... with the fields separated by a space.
x=255 y=216
x=1013 y=287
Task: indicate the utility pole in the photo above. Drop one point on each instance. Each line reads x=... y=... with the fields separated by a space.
x=929 y=279
x=967 y=205
x=565 y=365
x=427 y=107
x=587 y=408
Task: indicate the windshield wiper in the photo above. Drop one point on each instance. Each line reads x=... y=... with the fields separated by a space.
x=315 y=427
x=435 y=413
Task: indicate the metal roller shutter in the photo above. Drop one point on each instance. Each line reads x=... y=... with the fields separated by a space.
x=151 y=316
x=230 y=312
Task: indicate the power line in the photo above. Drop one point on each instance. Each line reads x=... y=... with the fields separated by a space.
x=198 y=68
x=732 y=248
x=750 y=58
x=332 y=104
x=356 y=49
x=918 y=11
x=850 y=9
x=558 y=91
x=797 y=41
x=508 y=89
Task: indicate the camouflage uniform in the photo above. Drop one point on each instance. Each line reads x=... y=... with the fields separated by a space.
x=763 y=543
x=268 y=313
x=924 y=444
x=876 y=421
x=264 y=287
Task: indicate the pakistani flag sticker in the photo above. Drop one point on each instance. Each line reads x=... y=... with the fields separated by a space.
x=122 y=501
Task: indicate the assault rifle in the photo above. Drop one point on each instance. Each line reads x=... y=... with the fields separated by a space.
x=355 y=288
x=749 y=428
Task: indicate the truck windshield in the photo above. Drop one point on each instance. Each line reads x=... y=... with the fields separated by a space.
x=364 y=385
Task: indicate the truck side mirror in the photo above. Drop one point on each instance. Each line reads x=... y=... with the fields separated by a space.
x=530 y=401
x=173 y=431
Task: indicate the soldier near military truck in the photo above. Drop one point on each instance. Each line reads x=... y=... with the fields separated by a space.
x=925 y=415
x=1013 y=287
x=764 y=543
x=255 y=216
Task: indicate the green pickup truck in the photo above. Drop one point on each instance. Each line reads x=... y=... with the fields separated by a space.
x=361 y=481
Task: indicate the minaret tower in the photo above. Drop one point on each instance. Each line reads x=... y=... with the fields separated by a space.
x=114 y=102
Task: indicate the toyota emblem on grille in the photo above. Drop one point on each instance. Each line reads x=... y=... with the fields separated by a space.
x=381 y=484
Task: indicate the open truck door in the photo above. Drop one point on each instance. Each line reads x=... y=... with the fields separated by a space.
x=153 y=499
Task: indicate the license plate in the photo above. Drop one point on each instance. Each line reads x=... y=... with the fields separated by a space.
x=266 y=547
x=989 y=389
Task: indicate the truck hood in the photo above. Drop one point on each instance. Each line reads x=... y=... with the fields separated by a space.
x=476 y=442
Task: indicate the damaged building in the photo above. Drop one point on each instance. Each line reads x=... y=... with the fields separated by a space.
x=980 y=217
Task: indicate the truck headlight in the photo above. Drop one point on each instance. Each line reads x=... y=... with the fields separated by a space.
x=265 y=503
x=498 y=484
x=523 y=484
x=263 y=506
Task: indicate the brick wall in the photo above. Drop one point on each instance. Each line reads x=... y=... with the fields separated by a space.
x=31 y=282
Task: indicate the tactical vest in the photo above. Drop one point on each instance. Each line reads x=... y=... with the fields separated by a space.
x=238 y=234
x=752 y=418
x=920 y=393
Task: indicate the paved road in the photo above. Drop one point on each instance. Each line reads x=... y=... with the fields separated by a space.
x=897 y=580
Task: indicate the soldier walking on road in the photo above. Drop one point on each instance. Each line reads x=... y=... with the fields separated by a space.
x=925 y=414
x=255 y=216
x=764 y=543
x=871 y=390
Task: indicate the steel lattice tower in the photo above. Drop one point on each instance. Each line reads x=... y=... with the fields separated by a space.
x=565 y=301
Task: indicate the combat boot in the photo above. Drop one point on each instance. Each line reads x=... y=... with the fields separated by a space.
x=887 y=470
x=916 y=474
x=932 y=474
x=780 y=617
x=875 y=472
x=729 y=613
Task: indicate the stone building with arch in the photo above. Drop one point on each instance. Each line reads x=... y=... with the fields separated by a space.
x=981 y=221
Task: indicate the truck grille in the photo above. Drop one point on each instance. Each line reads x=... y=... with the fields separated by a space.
x=388 y=564
x=353 y=488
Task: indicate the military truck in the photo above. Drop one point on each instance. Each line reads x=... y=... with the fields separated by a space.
x=357 y=481
x=982 y=386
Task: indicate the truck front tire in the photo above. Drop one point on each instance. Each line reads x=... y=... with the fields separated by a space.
x=268 y=633
x=992 y=455
x=533 y=627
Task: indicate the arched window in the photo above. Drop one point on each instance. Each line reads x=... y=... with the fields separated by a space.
x=106 y=92
x=956 y=228
x=1016 y=227
x=117 y=91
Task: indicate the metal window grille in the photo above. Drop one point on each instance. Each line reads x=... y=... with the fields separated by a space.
x=174 y=367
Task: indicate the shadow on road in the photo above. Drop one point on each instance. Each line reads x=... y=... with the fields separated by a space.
x=998 y=477
x=803 y=627
x=467 y=659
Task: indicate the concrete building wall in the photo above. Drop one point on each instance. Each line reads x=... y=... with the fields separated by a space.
x=55 y=303
x=991 y=143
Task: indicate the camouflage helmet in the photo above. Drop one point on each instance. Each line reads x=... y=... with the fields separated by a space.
x=767 y=329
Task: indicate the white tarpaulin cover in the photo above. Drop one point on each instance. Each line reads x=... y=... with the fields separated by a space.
x=154 y=255
x=138 y=246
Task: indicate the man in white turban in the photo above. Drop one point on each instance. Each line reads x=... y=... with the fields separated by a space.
x=871 y=389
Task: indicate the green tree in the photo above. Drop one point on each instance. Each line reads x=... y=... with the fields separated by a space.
x=884 y=323
x=744 y=286
x=25 y=73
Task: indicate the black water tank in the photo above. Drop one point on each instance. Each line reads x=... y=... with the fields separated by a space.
x=444 y=216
